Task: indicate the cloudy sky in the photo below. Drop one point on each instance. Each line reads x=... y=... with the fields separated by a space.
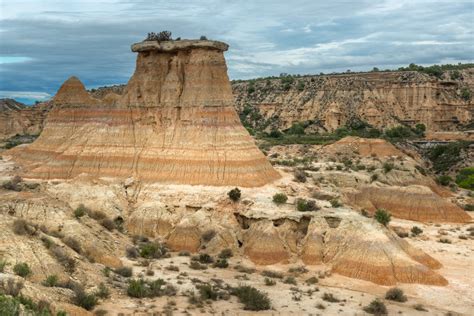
x=44 y=42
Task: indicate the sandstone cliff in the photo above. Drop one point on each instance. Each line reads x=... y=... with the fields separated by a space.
x=175 y=122
x=382 y=99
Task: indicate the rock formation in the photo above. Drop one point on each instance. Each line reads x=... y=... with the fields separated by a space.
x=18 y=119
x=175 y=123
x=382 y=99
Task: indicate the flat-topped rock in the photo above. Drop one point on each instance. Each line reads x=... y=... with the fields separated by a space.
x=171 y=46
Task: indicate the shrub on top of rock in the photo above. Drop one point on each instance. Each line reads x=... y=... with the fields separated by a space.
x=280 y=198
x=303 y=205
x=234 y=194
x=382 y=216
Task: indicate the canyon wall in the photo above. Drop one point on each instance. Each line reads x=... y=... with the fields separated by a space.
x=382 y=99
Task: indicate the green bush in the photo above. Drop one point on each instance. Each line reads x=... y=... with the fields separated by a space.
x=300 y=175
x=395 y=294
x=84 y=300
x=388 y=166
x=51 y=281
x=234 y=194
x=376 y=307
x=225 y=253
x=102 y=292
x=444 y=180
x=467 y=207
x=152 y=250
x=328 y=297
x=466 y=94
x=204 y=258
x=253 y=299
x=398 y=132
x=296 y=129
x=444 y=157
x=22 y=269
x=221 y=263
x=280 y=198
x=465 y=178
x=269 y=282
x=303 y=205
x=138 y=289
x=382 y=216
x=415 y=230
x=80 y=211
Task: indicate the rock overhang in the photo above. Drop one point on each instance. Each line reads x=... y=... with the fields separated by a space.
x=172 y=46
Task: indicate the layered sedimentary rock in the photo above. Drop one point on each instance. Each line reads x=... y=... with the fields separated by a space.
x=18 y=119
x=382 y=99
x=175 y=123
x=412 y=202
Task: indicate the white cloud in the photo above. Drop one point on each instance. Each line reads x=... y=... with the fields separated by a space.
x=42 y=96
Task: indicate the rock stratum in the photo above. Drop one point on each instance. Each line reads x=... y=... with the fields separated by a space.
x=175 y=122
x=382 y=99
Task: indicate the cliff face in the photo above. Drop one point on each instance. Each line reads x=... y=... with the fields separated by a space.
x=17 y=118
x=382 y=99
x=175 y=122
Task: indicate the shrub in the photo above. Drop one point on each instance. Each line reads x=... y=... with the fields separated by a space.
x=207 y=292
x=253 y=299
x=72 y=243
x=124 y=271
x=208 y=235
x=152 y=250
x=376 y=307
x=303 y=205
x=102 y=292
x=388 y=166
x=138 y=289
x=444 y=157
x=97 y=215
x=420 y=308
x=195 y=265
x=466 y=94
x=22 y=269
x=272 y=274
x=51 y=281
x=21 y=227
x=269 y=282
x=108 y=224
x=234 y=194
x=84 y=300
x=312 y=280
x=221 y=263
x=328 y=297
x=469 y=207
x=335 y=203
x=172 y=268
x=444 y=180
x=465 y=178
x=63 y=258
x=444 y=240
x=225 y=253
x=80 y=211
x=280 y=198
x=382 y=216
x=3 y=264
x=132 y=252
x=204 y=258
x=290 y=280
x=300 y=175
x=13 y=184
x=415 y=230
x=395 y=294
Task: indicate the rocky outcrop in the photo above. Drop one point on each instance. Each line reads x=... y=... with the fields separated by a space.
x=382 y=99
x=175 y=123
x=412 y=202
x=18 y=119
